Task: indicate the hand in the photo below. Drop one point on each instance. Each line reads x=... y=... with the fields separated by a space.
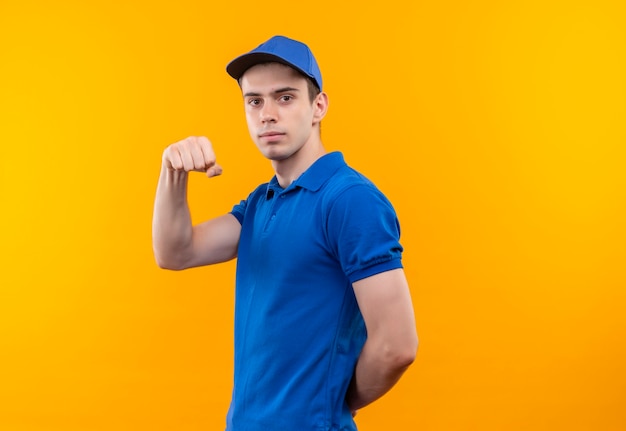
x=192 y=154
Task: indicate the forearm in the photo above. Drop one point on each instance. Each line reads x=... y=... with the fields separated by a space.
x=391 y=345
x=171 y=222
x=378 y=369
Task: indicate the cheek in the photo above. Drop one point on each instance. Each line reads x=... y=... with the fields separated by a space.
x=250 y=121
x=307 y=119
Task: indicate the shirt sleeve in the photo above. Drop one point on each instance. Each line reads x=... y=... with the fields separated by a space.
x=239 y=210
x=364 y=232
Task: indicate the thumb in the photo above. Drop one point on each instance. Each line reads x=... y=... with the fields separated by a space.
x=214 y=171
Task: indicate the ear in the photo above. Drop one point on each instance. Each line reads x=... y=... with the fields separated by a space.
x=320 y=106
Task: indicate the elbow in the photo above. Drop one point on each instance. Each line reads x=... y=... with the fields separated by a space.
x=405 y=357
x=169 y=266
x=402 y=355
x=394 y=359
x=164 y=262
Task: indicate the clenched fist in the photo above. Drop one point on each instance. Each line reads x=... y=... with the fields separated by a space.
x=192 y=154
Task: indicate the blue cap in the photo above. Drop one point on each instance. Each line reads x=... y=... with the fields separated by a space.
x=279 y=49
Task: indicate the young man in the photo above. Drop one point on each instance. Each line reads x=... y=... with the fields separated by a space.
x=323 y=318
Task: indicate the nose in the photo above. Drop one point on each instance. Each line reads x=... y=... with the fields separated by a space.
x=269 y=113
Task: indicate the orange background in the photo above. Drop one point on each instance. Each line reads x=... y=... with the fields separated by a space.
x=496 y=128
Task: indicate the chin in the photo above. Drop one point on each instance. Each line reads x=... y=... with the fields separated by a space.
x=276 y=157
x=275 y=154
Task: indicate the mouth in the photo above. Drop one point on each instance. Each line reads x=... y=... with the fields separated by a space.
x=270 y=134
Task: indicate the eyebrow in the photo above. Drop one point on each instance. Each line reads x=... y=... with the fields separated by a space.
x=277 y=91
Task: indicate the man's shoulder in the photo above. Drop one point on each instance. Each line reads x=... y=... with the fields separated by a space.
x=253 y=198
x=347 y=178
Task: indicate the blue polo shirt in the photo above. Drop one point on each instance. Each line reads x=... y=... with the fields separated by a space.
x=298 y=328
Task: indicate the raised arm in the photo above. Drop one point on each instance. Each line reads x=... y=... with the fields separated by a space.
x=391 y=346
x=177 y=244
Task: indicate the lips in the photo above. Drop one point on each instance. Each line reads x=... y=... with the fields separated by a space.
x=270 y=133
x=271 y=137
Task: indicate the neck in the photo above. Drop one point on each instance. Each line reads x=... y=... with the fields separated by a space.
x=289 y=169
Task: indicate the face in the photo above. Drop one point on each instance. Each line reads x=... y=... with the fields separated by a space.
x=282 y=120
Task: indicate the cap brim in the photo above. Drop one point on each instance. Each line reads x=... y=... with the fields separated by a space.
x=238 y=66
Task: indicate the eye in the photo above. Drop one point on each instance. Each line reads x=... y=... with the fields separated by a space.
x=285 y=98
x=254 y=102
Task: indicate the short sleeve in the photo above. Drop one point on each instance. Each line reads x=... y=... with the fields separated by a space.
x=364 y=232
x=239 y=210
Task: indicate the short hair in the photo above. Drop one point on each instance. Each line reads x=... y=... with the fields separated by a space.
x=314 y=90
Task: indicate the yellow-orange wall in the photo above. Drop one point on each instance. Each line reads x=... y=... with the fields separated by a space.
x=496 y=128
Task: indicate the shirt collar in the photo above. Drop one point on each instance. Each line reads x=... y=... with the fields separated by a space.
x=315 y=176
